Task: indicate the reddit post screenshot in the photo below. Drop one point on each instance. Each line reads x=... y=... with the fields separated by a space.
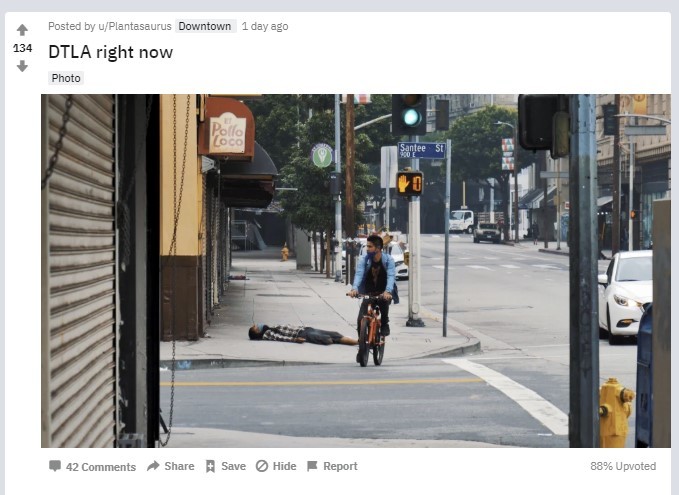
x=253 y=280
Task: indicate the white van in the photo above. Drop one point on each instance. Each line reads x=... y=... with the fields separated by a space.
x=461 y=221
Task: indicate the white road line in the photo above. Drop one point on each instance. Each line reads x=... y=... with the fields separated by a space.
x=542 y=410
x=547 y=267
x=490 y=257
x=442 y=267
x=510 y=266
x=479 y=267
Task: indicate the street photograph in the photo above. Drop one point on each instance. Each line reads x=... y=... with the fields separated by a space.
x=355 y=270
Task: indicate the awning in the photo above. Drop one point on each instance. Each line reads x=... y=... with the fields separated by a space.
x=248 y=184
x=261 y=167
x=604 y=200
x=532 y=199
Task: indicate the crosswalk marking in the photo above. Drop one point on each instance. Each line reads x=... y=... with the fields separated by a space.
x=479 y=267
x=510 y=266
x=547 y=267
x=541 y=409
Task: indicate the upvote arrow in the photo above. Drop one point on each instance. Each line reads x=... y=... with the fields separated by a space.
x=22 y=30
x=22 y=66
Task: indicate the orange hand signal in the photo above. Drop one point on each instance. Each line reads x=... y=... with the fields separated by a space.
x=403 y=183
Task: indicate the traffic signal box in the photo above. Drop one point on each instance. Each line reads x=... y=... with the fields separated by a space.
x=409 y=115
x=409 y=183
x=611 y=127
x=544 y=124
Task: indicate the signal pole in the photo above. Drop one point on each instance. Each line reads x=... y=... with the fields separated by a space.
x=414 y=286
x=338 y=198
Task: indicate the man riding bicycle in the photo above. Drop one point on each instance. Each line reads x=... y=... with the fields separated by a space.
x=375 y=275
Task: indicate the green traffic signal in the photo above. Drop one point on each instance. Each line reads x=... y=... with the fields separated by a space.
x=409 y=115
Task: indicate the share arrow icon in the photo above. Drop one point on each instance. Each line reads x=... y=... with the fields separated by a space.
x=153 y=466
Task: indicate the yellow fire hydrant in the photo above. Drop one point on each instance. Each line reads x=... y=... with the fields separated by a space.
x=614 y=409
x=284 y=252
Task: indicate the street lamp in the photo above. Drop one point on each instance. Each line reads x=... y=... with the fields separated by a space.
x=516 y=183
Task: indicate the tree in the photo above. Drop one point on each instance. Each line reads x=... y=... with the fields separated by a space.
x=477 y=153
x=288 y=126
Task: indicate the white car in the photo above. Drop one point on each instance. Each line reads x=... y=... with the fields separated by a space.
x=395 y=249
x=625 y=291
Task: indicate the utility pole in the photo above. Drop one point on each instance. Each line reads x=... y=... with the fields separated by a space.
x=583 y=424
x=349 y=220
x=615 y=232
x=630 y=206
x=446 y=218
x=542 y=157
x=515 y=128
x=338 y=198
x=414 y=285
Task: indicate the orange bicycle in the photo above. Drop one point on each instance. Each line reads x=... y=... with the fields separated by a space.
x=370 y=335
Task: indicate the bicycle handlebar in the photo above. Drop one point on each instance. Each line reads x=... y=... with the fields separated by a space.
x=365 y=296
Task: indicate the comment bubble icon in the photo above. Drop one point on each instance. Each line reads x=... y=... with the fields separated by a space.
x=55 y=465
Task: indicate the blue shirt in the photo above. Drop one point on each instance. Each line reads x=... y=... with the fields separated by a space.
x=363 y=266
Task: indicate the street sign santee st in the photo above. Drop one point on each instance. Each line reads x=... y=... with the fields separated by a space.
x=422 y=150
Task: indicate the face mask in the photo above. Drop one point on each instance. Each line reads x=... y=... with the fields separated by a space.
x=260 y=328
x=371 y=255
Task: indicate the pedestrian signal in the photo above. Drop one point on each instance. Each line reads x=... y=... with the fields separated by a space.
x=409 y=183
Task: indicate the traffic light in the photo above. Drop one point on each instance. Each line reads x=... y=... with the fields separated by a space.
x=409 y=183
x=610 y=121
x=409 y=115
x=442 y=115
x=535 y=121
x=544 y=124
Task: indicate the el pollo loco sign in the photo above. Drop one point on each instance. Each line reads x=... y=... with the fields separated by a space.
x=228 y=129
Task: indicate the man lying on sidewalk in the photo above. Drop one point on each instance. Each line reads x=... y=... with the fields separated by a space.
x=288 y=333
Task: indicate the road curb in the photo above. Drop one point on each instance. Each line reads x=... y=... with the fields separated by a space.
x=202 y=364
x=460 y=350
x=553 y=251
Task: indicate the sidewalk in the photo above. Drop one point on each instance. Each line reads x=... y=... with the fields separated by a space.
x=554 y=248
x=275 y=292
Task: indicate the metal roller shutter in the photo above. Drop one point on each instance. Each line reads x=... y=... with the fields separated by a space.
x=82 y=274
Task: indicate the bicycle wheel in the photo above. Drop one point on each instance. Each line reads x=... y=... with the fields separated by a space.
x=378 y=347
x=363 y=346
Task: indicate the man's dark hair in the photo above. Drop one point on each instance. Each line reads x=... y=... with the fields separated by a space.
x=376 y=240
x=255 y=335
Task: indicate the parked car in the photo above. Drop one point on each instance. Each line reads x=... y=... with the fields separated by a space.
x=625 y=291
x=487 y=232
x=396 y=249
